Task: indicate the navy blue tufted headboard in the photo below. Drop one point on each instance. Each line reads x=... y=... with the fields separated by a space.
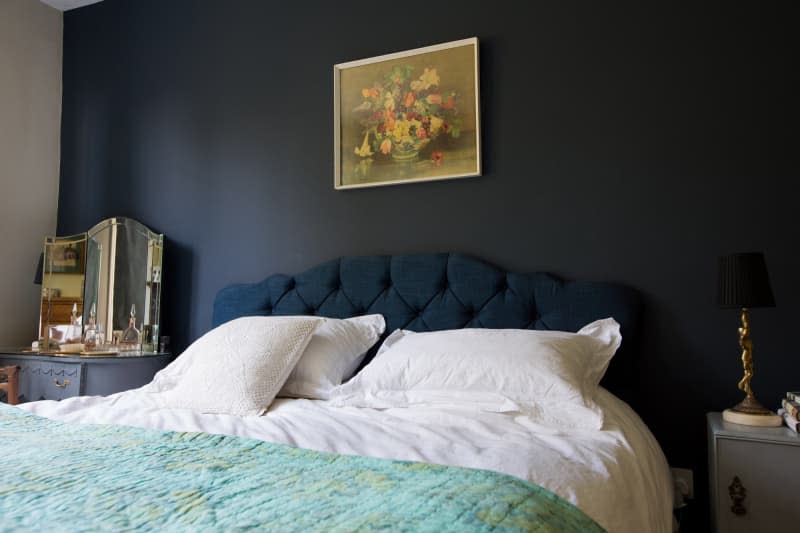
x=427 y=292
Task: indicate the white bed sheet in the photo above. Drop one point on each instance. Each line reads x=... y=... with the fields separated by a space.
x=618 y=475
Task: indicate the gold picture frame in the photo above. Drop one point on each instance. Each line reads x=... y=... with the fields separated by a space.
x=66 y=256
x=408 y=117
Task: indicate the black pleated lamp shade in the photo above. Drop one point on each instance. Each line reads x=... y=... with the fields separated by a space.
x=744 y=281
x=37 y=277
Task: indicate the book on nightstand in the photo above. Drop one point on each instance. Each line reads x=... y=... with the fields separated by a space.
x=791 y=407
x=789 y=420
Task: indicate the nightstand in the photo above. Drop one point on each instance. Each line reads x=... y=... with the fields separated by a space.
x=754 y=477
x=48 y=377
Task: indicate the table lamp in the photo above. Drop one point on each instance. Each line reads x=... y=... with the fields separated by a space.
x=37 y=277
x=744 y=284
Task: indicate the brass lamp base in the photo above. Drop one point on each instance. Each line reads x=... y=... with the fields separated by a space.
x=749 y=412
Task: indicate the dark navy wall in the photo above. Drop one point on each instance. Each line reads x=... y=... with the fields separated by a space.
x=622 y=141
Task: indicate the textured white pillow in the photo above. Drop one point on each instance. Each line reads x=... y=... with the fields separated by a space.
x=236 y=368
x=336 y=349
x=550 y=375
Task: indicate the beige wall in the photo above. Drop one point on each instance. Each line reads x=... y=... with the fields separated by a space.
x=30 y=123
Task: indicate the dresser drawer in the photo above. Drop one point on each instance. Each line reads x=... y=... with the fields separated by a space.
x=46 y=380
x=769 y=473
x=46 y=377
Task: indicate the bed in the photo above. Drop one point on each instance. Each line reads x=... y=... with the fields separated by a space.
x=418 y=461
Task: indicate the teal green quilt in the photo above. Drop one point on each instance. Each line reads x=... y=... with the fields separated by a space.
x=56 y=476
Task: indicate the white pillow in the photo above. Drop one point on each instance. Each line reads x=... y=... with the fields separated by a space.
x=549 y=375
x=236 y=368
x=333 y=355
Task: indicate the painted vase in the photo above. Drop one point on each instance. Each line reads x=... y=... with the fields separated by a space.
x=405 y=154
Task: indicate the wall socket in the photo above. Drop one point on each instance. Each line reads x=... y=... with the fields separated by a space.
x=684 y=482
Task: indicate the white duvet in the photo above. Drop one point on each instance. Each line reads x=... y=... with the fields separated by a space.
x=617 y=475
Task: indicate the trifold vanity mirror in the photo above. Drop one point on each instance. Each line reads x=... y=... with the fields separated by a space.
x=101 y=290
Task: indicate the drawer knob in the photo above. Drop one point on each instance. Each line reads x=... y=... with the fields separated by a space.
x=737 y=492
x=61 y=384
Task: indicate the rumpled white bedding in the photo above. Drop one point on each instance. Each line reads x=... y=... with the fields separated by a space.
x=617 y=475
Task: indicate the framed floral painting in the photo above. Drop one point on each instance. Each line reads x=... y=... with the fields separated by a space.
x=409 y=116
x=67 y=257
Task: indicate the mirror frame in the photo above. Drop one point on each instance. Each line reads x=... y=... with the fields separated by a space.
x=120 y=258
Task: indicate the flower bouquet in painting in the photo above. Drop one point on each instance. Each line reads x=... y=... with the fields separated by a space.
x=407 y=116
x=405 y=112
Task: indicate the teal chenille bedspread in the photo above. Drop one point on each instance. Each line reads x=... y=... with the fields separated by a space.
x=56 y=476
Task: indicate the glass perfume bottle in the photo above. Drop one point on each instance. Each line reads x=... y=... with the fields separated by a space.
x=90 y=335
x=73 y=333
x=131 y=335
